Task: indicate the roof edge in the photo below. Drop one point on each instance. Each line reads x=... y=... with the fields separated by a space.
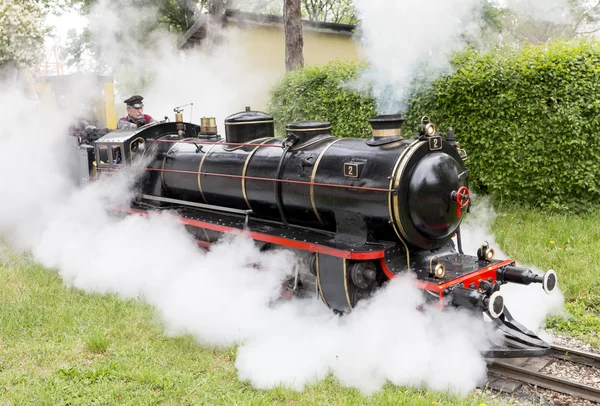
x=242 y=17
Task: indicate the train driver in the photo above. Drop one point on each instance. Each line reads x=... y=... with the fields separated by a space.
x=135 y=117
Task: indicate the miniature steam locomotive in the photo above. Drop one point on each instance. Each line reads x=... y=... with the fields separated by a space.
x=357 y=211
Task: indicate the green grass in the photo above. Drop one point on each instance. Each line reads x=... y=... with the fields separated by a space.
x=567 y=243
x=59 y=345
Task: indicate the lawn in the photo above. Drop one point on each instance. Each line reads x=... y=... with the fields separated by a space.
x=569 y=244
x=59 y=345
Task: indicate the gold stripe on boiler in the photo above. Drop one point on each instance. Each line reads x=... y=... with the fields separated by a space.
x=390 y=132
x=250 y=122
x=312 y=180
x=298 y=130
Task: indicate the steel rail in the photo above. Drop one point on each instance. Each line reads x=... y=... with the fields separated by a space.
x=503 y=369
x=545 y=381
x=576 y=356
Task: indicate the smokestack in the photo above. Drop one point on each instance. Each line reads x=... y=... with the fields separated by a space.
x=387 y=126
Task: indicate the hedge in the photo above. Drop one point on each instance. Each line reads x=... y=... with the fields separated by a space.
x=529 y=119
x=322 y=93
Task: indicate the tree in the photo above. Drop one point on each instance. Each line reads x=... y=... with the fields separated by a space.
x=526 y=22
x=178 y=15
x=84 y=50
x=175 y=15
x=294 y=41
x=335 y=11
x=21 y=37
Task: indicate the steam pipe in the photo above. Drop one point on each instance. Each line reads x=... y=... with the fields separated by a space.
x=288 y=143
x=278 y=197
x=459 y=240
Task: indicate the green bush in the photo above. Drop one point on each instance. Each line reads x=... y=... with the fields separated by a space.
x=323 y=93
x=529 y=120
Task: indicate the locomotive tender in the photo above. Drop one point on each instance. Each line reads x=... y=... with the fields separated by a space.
x=357 y=211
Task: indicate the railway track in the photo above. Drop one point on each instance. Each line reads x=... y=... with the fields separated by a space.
x=508 y=375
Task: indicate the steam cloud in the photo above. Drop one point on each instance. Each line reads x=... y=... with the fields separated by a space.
x=220 y=297
x=410 y=40
x=554 y=11
x=218 y=80
x=409 y=43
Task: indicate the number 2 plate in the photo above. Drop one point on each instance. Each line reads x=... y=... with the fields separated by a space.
x=435 y=143
x=351 y=170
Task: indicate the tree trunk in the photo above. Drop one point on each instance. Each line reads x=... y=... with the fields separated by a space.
x=294 y=42
x=216 y=7
x=188 y=7
x=216 y=16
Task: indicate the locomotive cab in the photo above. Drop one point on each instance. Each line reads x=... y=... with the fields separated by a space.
x=116 y=149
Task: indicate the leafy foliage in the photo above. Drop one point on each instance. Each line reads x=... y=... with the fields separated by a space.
x=21 y=32
x=538 y=22
x=323 y=93
x=335 y=11
x=529 y=119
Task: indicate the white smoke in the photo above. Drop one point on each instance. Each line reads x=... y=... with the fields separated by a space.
x=218 y=83
x=410 y=40
x=409 y=44
x=384 y=339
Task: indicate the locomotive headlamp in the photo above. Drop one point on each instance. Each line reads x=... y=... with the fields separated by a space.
x=426 y=127
x=439 y=270
x=485 y=253
x=430 y=129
